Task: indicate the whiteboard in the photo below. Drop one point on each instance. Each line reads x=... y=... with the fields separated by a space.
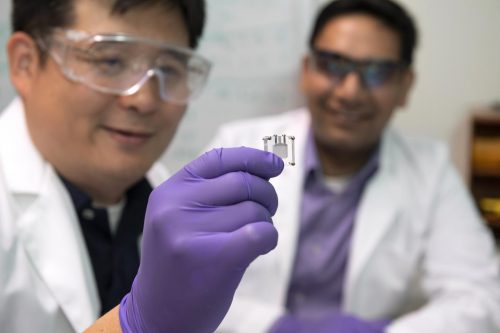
x=256 y=48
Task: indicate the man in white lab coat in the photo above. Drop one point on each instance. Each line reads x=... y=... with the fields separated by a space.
x=102 y=87
x=377 y=231
x=78 y=152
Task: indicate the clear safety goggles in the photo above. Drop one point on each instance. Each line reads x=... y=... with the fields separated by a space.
x=373 y=73
x=121 y=64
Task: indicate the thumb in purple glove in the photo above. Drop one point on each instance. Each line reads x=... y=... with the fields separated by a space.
x=334 y=323
x=203 y=227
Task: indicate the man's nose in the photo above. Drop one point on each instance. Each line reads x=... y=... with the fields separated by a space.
x=147 y=98
x=350 y=86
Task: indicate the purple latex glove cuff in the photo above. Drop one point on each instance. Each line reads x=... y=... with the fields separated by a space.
x=127 y=316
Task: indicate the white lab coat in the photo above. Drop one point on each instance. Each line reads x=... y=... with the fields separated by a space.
x=420 y=253
x=46 y=278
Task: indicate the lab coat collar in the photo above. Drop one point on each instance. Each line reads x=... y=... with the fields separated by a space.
x=378 y=210
x=375 y=215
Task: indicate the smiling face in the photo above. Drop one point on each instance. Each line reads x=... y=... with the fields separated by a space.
x=348 y=115
x=99 y=140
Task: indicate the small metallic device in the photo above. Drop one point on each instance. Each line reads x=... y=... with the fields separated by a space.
x=280 y=147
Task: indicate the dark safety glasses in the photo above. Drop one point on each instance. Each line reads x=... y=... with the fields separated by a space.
x=373 y=73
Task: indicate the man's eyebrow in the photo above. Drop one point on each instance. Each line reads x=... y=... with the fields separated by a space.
x=174 y=55
x=339 y=55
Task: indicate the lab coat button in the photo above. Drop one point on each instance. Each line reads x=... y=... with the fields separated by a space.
x=88 y=214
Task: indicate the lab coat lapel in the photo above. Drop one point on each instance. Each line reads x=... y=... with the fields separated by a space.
x=377 y=211
x=51 y=236
x=47 y=224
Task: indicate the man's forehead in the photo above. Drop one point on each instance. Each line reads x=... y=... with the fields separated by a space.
x=154 y=21
x=106 y=6
x=359 y=36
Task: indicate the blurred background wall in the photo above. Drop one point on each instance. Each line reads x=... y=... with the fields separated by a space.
x=256 y=47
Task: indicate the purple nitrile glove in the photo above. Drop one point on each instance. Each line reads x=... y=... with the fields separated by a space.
x=334 y=323
x=203 y=227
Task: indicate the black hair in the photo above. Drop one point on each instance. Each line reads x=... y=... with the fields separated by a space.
x=387 y=11
x=39 y=17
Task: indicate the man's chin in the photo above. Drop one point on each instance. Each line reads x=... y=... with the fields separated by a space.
x=127 y=173
x=341 y=142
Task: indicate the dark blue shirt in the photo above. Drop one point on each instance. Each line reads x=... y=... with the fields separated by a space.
x=114 y=257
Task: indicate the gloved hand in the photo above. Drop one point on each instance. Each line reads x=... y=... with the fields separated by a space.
x=334 y=323
x=203 y=227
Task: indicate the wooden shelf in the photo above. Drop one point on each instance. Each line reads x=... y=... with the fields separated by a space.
x=487 y=116
x=484 y=152
x=494 y=224
x=485 y=175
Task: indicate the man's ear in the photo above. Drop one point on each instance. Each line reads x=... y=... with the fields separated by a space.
x=24 y=62
x=406 y=86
